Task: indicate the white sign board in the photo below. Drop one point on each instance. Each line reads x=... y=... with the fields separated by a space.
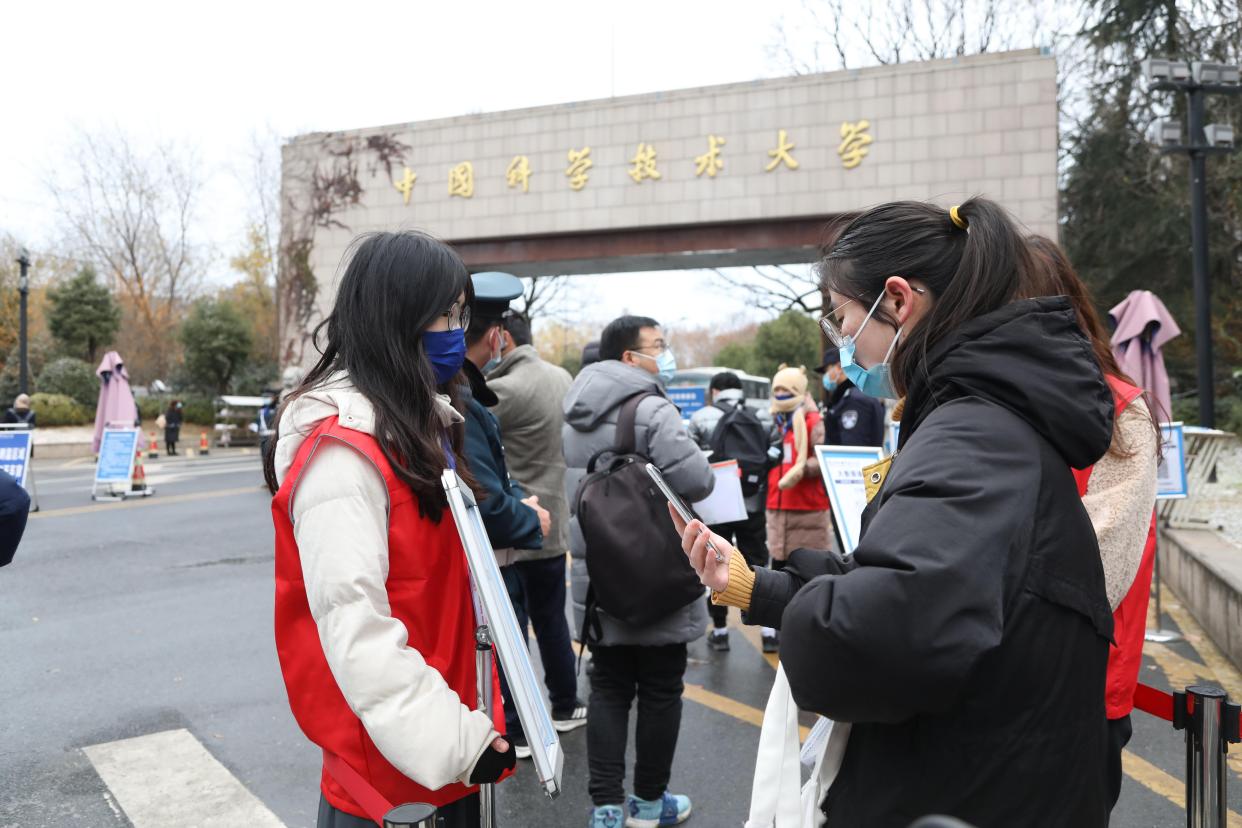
x=1171 y=473
x=115 y=469
x=842 y=472
x=510 y=642
x=725 y=504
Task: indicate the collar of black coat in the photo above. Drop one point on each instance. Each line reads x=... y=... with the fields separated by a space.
x=478 y=385
x=840 y=392
x=1031 y=358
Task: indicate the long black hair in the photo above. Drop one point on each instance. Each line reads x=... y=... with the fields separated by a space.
x=968 y=272
x=395 y=286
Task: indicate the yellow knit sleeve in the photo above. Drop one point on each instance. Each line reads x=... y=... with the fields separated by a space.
x=741 y=585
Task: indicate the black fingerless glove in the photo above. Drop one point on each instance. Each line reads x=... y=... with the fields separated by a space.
x=492 y=765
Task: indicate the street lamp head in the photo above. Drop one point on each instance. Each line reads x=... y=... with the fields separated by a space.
x=1166 y=133
x=1163 y=70
x=1214 y=73
x=1219 y=135
x=23 y=256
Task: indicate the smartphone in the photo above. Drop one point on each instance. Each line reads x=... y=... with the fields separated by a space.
x=678 y=504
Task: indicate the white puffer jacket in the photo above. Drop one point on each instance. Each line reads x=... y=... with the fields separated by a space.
x=341 y=526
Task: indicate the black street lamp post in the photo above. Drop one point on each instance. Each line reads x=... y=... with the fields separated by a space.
x=23 y=288
x=1197 y=80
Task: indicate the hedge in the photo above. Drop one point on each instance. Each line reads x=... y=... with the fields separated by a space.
x=60 y=410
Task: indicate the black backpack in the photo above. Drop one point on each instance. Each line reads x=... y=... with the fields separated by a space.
x=638 y=571
x=740 y=435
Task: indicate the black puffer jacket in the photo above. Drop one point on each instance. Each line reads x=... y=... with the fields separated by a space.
x=967 y=639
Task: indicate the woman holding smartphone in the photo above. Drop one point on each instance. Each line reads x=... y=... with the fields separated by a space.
x=374 y=617
x=966 y=638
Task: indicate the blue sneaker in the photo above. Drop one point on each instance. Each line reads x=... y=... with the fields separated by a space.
x=607 y=816
x=670 y=809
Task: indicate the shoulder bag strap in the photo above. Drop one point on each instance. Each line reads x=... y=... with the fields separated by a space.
x=627 y=436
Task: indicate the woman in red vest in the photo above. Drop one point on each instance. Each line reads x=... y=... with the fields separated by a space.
x=1119 y=492
x=374 y=617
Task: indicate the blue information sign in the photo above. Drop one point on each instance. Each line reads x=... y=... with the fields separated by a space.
x=1171 y=473
x=116 y=456
x=689 y=398
x=15 y=454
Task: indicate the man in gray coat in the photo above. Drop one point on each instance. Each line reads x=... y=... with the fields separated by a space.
x=649 y=661
x=530 y=392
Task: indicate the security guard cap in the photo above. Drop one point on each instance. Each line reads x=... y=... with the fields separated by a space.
x=493 y=291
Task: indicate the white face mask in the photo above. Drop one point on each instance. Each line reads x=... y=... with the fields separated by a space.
x=498 y=353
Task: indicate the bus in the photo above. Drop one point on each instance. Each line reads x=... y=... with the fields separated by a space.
x=688 y=389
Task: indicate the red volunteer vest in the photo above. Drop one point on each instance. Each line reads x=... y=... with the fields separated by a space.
x=428 y=591
x=1125 y=657
x=809 y=495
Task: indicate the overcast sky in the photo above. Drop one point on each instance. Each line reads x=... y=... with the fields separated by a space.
x=216 y=75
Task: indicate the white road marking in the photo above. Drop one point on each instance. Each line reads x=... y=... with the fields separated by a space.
x=168 y=779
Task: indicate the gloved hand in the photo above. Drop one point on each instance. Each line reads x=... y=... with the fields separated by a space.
x=493 y=763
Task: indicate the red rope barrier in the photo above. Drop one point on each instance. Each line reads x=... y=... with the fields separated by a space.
x=1156 y=702
x=1160 y=704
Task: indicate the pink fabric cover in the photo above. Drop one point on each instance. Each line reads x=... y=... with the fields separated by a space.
x=116 y=400
x=1144 y=326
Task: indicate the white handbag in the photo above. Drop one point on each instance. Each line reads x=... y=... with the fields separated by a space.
x=778 y=799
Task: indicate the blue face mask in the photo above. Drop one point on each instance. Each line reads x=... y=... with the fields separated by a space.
x=447 y=351
x=666 y=364
x=830 y=384
x=874 y=381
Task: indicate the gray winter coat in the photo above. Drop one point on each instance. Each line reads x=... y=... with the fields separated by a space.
x=531 y=392
x=591 y=411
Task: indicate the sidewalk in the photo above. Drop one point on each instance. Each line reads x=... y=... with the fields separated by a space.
x=66 y=442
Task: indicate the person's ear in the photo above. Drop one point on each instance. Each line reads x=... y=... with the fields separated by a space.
x=902 y=296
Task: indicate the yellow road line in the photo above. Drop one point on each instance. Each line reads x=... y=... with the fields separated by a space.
x=735 y=709
x=1159 y=782
x=1179 y=670
x=1218 y=670
x=154 y=500
x=1225 y=674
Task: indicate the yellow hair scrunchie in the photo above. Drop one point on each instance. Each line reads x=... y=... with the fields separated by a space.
x=957 y=218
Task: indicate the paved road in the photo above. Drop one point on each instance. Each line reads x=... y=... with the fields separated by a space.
x=140 y=685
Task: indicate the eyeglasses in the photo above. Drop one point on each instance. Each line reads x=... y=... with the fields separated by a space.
x=831 y=325
x=659 y=348
x=458 y=317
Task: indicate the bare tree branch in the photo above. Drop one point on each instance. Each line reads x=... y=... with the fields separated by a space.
x=776 y=289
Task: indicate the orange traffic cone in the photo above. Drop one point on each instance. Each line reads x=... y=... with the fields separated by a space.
x=154 y=451
x=140 y=474
x=202 y=443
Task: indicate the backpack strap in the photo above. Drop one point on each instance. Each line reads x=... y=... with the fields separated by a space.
x=627 y=433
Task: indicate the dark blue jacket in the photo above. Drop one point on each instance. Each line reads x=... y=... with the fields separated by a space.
x=511 y=524
x=14 y=506
x=851 y=418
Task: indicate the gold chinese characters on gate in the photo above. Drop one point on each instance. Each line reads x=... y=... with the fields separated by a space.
x=855 y=145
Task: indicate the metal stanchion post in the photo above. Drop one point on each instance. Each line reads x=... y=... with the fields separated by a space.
x=1205 y=758
x=414 y=815
x=483 y=668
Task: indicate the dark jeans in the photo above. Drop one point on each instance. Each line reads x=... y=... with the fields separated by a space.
x=654 y=674
x=537 y=591
x=1119 y=733
x=464 y=813
x=750 y=537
